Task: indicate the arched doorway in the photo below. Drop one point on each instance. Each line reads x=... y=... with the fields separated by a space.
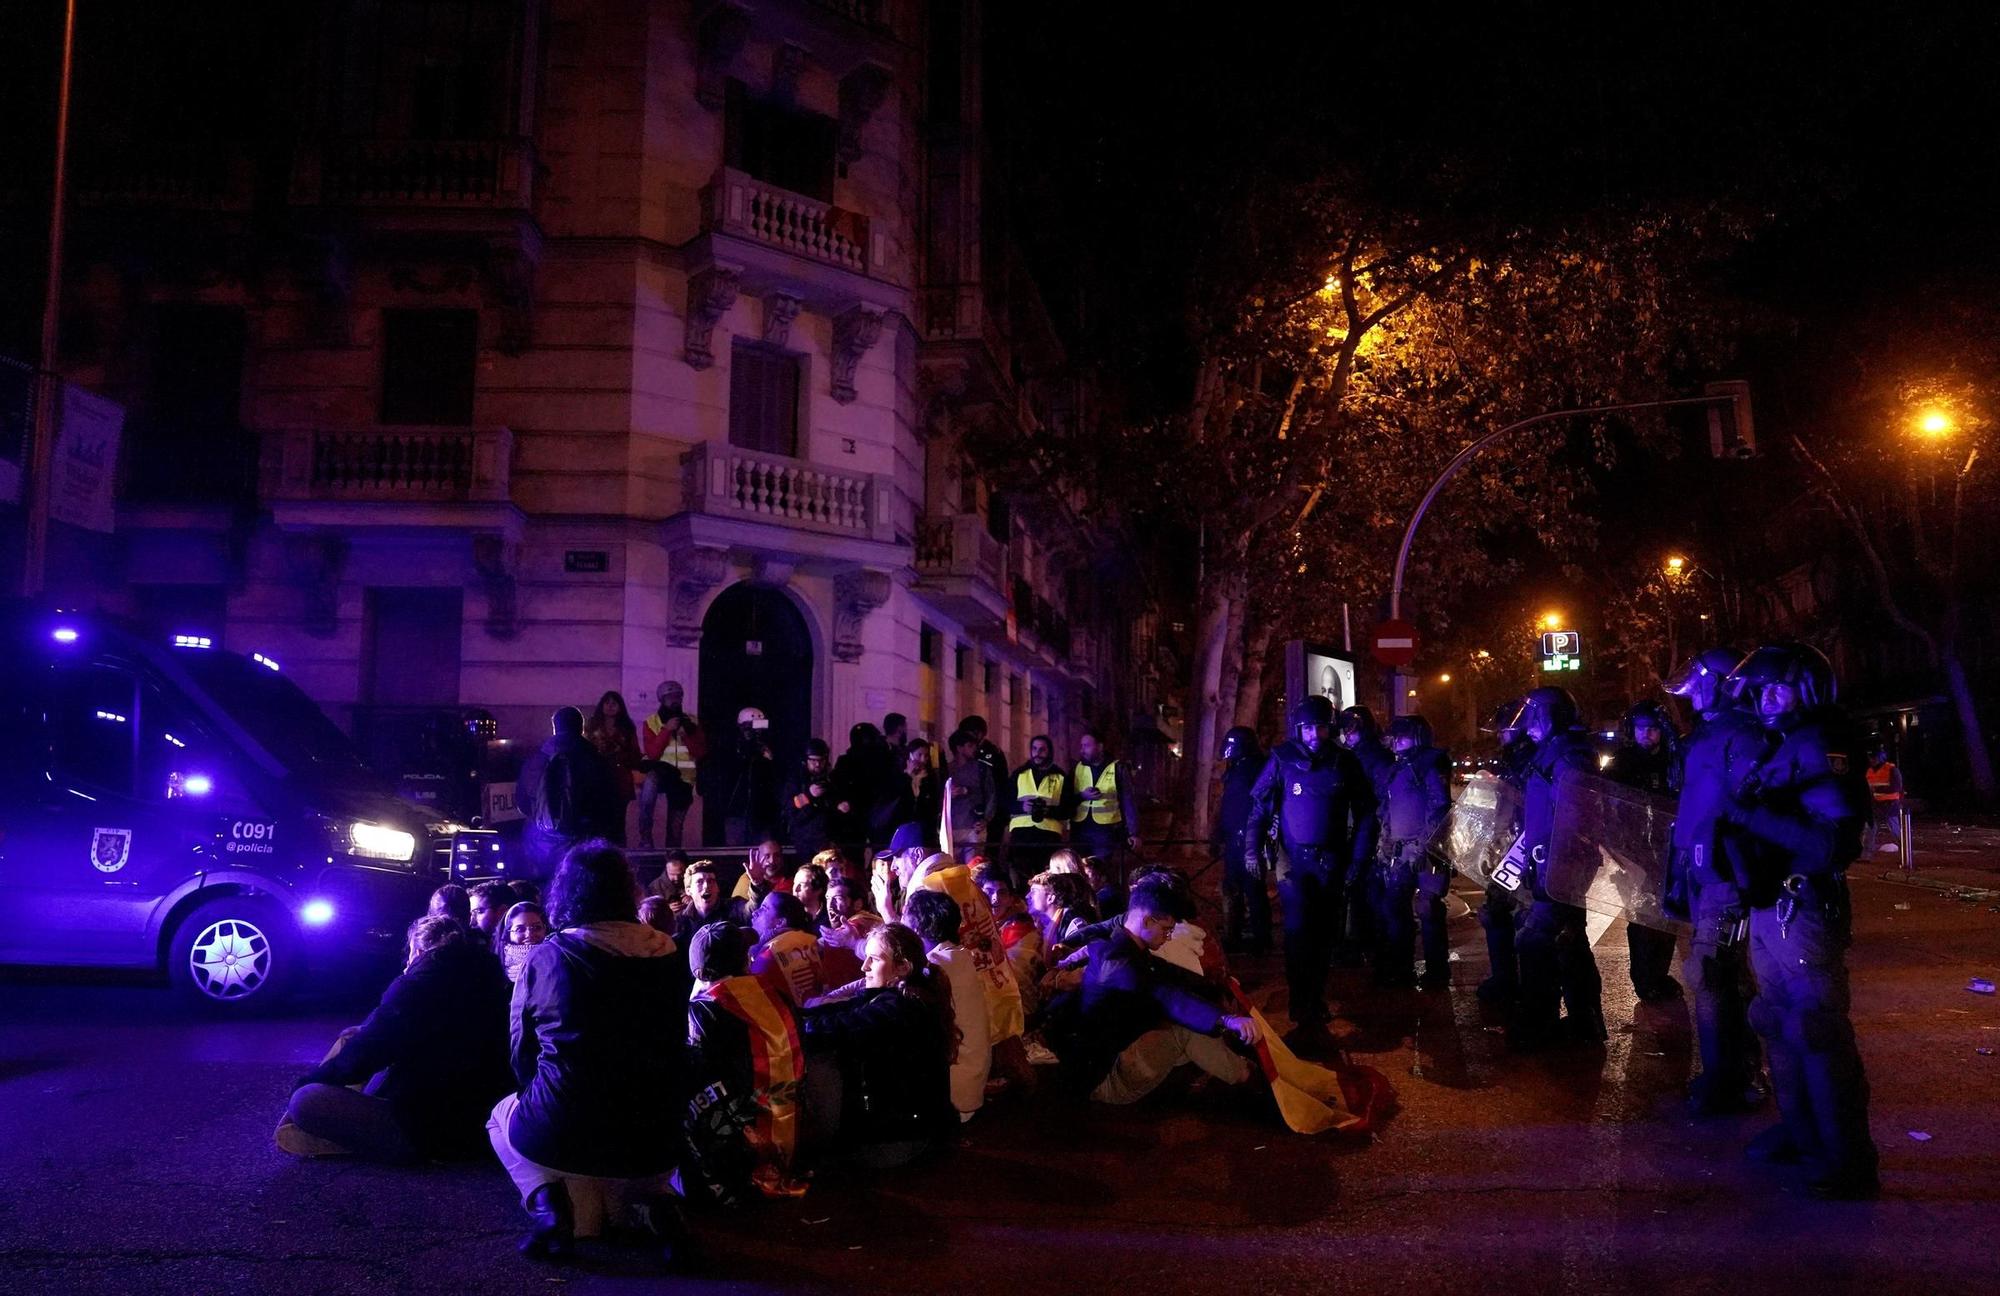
x=756 y=650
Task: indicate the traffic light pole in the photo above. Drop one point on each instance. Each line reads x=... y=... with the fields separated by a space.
x=1465 y=456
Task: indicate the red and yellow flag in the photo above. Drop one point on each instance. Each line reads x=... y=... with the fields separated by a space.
x=777 y=1063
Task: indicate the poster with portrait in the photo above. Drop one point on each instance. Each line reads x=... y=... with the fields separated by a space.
x=1322 y=670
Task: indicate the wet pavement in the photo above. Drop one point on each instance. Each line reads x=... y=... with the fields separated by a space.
x=136 y=1148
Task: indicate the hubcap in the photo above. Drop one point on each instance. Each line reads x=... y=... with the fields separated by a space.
x=230 y=959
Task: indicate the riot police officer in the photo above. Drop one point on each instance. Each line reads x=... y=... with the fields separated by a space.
x=1800 y=817
x=1323 y=806
x=1361 y=735
x=1648 y=759
x=1707 y=887
x=1557 y=967
x=1246 y=908
x=1500 y=915
x=1419 y=795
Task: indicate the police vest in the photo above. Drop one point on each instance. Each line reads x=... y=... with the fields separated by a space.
x=1106 y=809
x=1313 y=805
x=1050 y=788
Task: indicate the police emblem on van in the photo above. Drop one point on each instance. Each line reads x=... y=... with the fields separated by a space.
x=110 y=849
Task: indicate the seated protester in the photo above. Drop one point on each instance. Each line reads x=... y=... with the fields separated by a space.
x=706 y=903
x=451 y=901
x=1020 y=934
x=935 y=917
x=1139 y=1017
x=838 y=864
x=1188 y=947
x=671 y=885
x=878 y=1074
x=488 y=906
x=809 y=885
x=1061 y=903
x=525 y=927
x=596 y=1126
x=1065 y=860
x=745 y=1061
x=1105 y=892
x=655 y=913
x=788 y=954
x=763 y=873
x=848 y=925
x=431 y=1060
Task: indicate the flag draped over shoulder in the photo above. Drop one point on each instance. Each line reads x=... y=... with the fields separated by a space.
x=1314 y=1099
x=777 y=1063
x=979 y=933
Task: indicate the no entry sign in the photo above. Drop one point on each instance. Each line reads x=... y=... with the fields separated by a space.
x=1395 y=643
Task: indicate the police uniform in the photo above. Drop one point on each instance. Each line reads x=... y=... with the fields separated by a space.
x=1655 y=770
x=1323 y=807
x=1500 y=915
x=1357 y=919
x=1801 y=818
x=1418 y=797
x=1246 y=908
x=1557 y=967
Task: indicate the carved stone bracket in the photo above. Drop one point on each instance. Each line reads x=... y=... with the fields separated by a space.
x=316 y=563
x=854 y=331
x=855 y=595
x=862 y=91
x=788 y=64
x=510 y=281
x=496 y=559
x=695 y=573
x=718 y=41
x=780 y=309
x=711 y=293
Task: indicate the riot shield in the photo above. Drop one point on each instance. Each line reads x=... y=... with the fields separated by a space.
x=1610 y=850
x=1484 y=821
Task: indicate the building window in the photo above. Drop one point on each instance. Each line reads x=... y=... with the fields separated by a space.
x=959 y=654
x=999 y=520
x=779 y=143
x=927 y=645
x=1034 y=700
x=413 y=642
x=1013 y=689
x=429 y=361
x=764 y=385
x=992 y=680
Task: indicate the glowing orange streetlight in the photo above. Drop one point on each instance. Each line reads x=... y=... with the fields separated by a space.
x=1936 y=423
x=1676 y=564
x=1445 y=678
x=1552 y=620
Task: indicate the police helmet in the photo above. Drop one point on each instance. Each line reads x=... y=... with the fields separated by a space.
x=1413 y=727
x=1700 y=678
x=1501 y=722
x=1650 y=714
x=1802 y=666
x=1359 y=719
x=1240 y=738
x=1314 y=710
x=1555 y=707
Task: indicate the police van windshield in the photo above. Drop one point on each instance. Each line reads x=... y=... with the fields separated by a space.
x=283 y=720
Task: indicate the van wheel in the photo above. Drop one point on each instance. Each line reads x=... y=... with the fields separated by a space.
x=233 y=955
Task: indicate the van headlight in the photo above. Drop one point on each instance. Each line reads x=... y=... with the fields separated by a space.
x=378 y=841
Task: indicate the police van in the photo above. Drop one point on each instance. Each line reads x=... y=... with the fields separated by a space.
x=167 y=804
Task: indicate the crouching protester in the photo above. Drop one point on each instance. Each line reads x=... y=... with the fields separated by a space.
x=594 y=1135
x=878 y=1077
x=746 y=1062
x=1138 y=1017
x=414 y=1080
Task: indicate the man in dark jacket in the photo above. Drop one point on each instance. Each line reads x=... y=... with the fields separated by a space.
x=1139 y=1017
x=1323 y=805
x=988 y=753
x=600 y=1059
x=746 y=779
x=1360 y=734
x=1557 y=967
x=1246 y=906
x=1649 y=759
x=433 y=1058
x=567 y=793
x=707 y=903
x=1418 y=797
x=810 y=805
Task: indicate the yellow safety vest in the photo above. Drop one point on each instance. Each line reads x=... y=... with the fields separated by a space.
x=1049 y=788
x=676 y=752
x=1106 y=809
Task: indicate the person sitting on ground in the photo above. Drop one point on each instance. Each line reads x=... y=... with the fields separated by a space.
x=658 y=914
x=746 y=1064
x=671 y=885
x=1105 y=892
x=526 y=926
x=430 y=1060
x=589 y=1133
x=809 y=886
x=488 y=905
x=706 y=903
x=936 y=917
x=1062 y=904
x=838 y=864
x=451 y=901
x=1140 y=1017
x=788 y=954
x=1020 y=934
x=846 y=932
x=878 y=1073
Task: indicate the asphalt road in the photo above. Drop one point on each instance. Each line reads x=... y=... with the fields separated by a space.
x=136 y=1148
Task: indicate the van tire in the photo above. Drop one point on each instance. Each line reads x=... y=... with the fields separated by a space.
x=234 y=955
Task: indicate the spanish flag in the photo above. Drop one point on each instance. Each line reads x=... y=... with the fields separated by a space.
x=977 y=932
x=1313 y=1099
x=777 y=1063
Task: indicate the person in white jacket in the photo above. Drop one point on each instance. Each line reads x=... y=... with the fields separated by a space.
x=935 y=916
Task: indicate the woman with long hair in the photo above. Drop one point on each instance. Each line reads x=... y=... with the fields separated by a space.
x=587 y=1135
x=878 y=1079
x=610 y=729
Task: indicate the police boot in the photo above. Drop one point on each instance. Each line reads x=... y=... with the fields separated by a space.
x=554 y=1234
x=1775 y=1146
x=667 y=1227
x=1232 y=922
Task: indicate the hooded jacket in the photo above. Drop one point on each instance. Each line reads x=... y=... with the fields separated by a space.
x=600 y=1051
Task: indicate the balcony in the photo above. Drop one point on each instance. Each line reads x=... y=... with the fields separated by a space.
x=962 y=570
x=738 y=204
x=422 y=476
x=172 y=175
x=787 y=508
x=493 y=174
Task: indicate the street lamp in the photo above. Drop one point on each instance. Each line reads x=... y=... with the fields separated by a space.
x=1676 y=564
x=1551 y=620
x=1936 y=423
x=1445 y=678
